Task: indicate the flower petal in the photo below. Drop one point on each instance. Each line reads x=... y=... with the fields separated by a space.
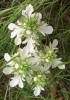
x=45 y=29
x=7 y=70
x=14 y=81
x=57 y=62
x=49 y=30
x=18 y=40
x=61 y=67
x=39 y=16
x=23 y=12
x=55 y=43
x=12 y=26
x=28 y=32
x=25 y=52
x=29 y=9
x=37 y=91
x=30 y=47
x=18 y=32
x=7 y=57
x=15 y=32
x=21 y=85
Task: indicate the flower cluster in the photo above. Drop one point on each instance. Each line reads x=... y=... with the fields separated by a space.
x=30 y=64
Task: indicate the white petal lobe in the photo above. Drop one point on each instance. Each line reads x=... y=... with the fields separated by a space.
x=61 y=67
x=20 y=83
x=12 y=26
x=55 y=43
x=7 y=70
x=18 y=40
x=14 y=81
x=7 y=57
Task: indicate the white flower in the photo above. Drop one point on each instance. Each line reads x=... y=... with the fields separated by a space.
x=53 y=45
x=16 y=66
x=45 y=68
x=28 y=11
x=57 y=62
x=7 y=57
x=45 y=29
x=37 y=90
x=12 y=65
x=18 y=40
x=54 y=62
x=26 y=51
x=12 y=26
x=8 y=70
x=39 y=16
x=29 y=79
x=12 y=69
x=28 y=32
x=35 y=60
x=17 y=80
x=30 y=45
x=16 y=32
x=35 y=79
